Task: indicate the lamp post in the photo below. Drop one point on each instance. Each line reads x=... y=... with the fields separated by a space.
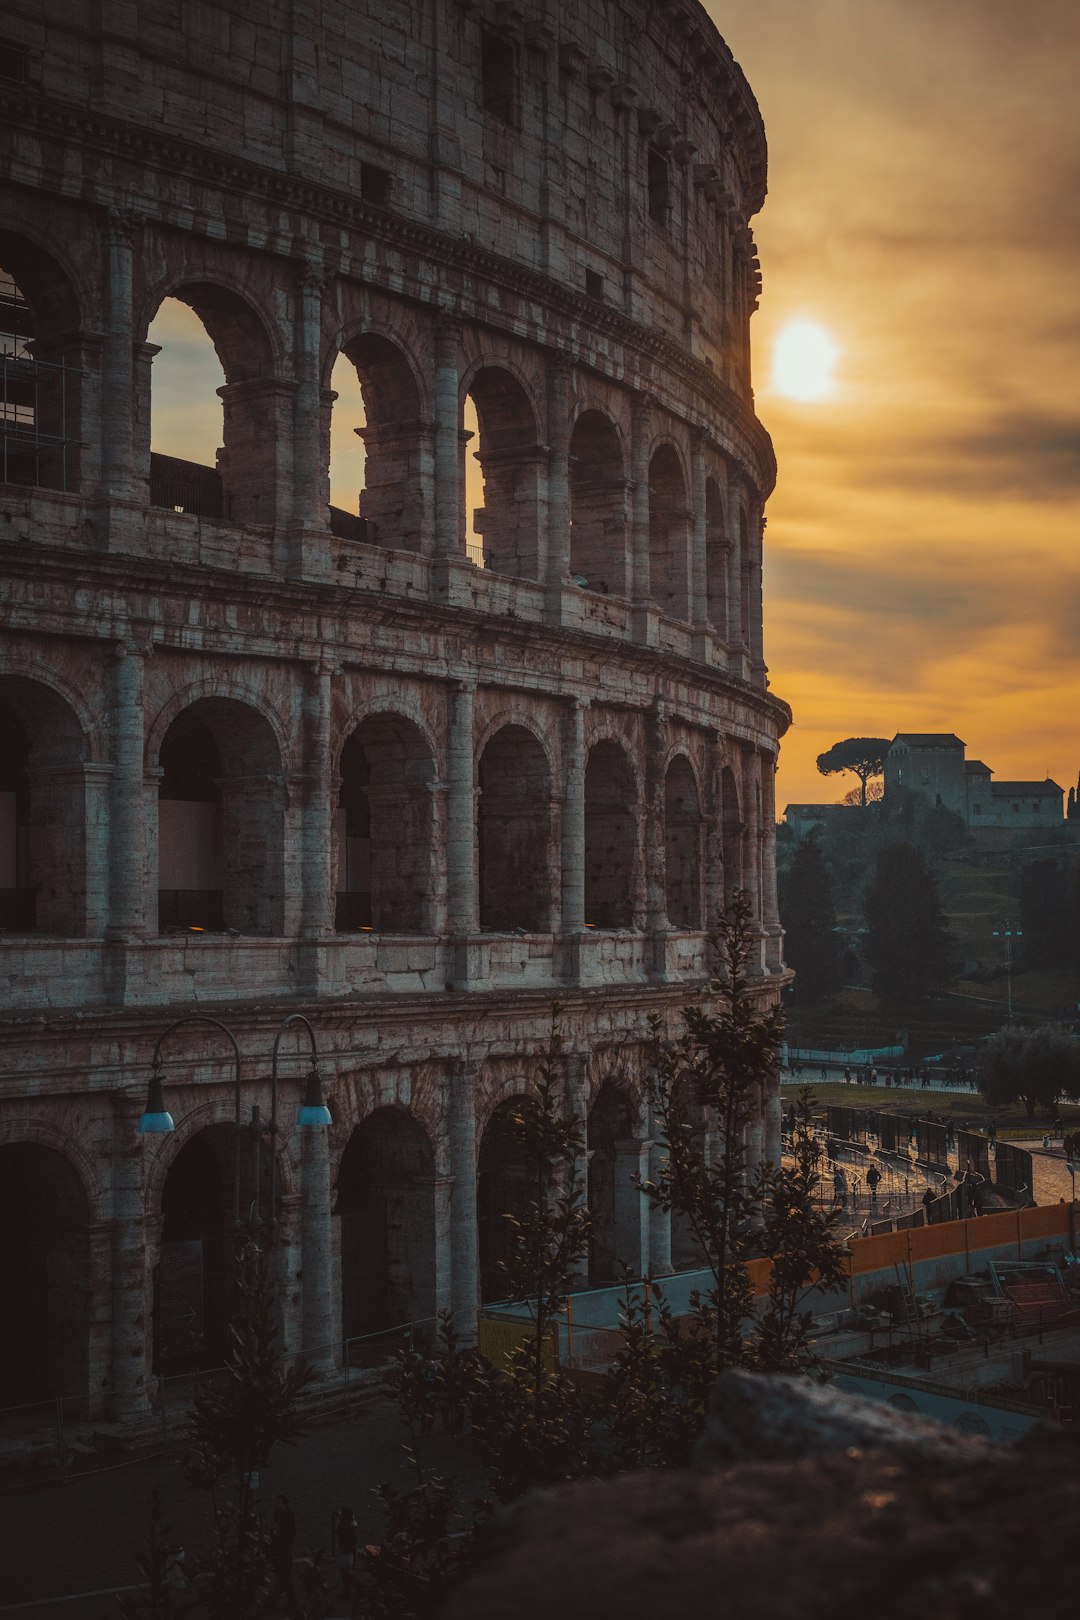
x=1008 y=935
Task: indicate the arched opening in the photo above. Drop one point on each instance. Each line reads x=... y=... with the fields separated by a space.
x=598 y=527
x=45 y=1282
x=220 y=822
x=615 y=1203
x=746 y=576
x=503 y=1189
x=380 y=450
x=216 y=458
x=514 y=833
x=384 y=829
x=610 y=837
x=40 y=396
x=510 y=459
x=731 y=830
x=42 y=812
x=195 y=1278
x=682 y=845
x=689 y=1115
x=386 y=1201
x=669 y=535
x=716 y=556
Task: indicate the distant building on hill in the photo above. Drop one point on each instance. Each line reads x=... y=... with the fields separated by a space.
x=932 y=764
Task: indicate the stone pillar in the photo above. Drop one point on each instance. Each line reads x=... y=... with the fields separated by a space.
x=449 y=537
x=317 y=909
x=734 y=635
x=308 y=546
x=130 y=1259
x=117 y=372
x=461 y=814
x=321 y=1330
x=573 y=821
x=755 y=1135
x=699 y=584
x=127 y=823
x=756 y=648
x=558 y=435
x=714 y=831
x=288 y=1271
x=575 y=1087
x=632 y=1222
x=773 y=1118
x=464 y=1238
x=656 y=920
x=752 y=834
x=659 y=1219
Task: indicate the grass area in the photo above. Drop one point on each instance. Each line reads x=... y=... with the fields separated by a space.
x=914 y=1100
x=975 y=899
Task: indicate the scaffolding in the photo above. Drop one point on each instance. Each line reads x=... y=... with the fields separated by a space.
x=35 y=444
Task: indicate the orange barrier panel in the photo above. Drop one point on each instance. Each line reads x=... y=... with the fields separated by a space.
x=987 y=1231
x=1049 y=1220
x=931 y=1242
x=877 y=1253
x=957 y=1237
x=759 y=1272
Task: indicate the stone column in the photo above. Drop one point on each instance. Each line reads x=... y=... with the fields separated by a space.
x=117 y=373
x=773 y=1114
x=573 y=821
x=449 y=538
x=575 y=1088
x=752 y=834
x=130 y=1259
x=461 y=814
x=656 y=920
x=558 y=435
x=316 y=878
x=127 y=821
x=714 y=831
x=659 y=1219
x=632 y=1223
x=699 y=587
x=734 y=636
x=464 y=1238
x=321 y=1331
x=309 y=542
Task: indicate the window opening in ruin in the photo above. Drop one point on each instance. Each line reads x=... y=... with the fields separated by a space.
x=386 y=1204
x=503 y=1193
x=610 y=838
x=17 y=903
x=383 y=829
x=380 y=451
x=669 y=535
x=36 y=446
x=506 y=452
x=731 y=833
x=186 y=415
x=474 y=487
x=682 y=845
x=498 y=77
x=514 y=834
x=598 y=518
x=190 y=882
x=616 y=1220
x=42 y=813
x=659 y=187
x=716 y=558
x=594 y=284
x=14 y=62
x=45 y=1276
x=374 y=184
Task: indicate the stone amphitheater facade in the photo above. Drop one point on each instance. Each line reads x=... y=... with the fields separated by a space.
x=264 y=757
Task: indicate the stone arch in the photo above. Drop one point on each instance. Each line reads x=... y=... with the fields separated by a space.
x=43 y=810
x=615 y=1203
x=41 y=317
x=669 y=533
x=731 y=832
x=243 y=485
x=237 y=691
x=503 y=1189
x=599 y=552
x=689 y=1113
x=683 y=837
x=45 y=1274
x=195 y=1112
x=611 y=838
x=514 y=831
x=716 y=557
x=385 y=827
x=392 y=505
x=386 y=1204
x=221 y=809
x=510 y=459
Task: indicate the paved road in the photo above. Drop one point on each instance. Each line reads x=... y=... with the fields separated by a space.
x=84 y=1537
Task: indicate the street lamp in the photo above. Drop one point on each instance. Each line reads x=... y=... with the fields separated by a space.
x=1008 y=935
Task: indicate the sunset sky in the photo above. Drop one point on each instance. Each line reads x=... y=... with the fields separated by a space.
x=922 y=567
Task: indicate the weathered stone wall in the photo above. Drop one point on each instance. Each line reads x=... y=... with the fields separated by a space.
x=432 y=796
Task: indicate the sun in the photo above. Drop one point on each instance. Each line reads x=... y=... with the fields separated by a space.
x=804 y=362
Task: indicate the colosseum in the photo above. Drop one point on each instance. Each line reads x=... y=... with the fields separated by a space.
x=493 y=734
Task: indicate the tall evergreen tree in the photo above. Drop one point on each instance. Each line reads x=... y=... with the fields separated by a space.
x=809 y=918
x=908 y=941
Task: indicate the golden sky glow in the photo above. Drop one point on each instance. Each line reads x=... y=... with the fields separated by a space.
x=922 y=565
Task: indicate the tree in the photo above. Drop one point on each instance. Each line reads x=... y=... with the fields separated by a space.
x=863 y=755
x=809 y=918
x=862 y=797
x=1047 y=912
x=1032 y=1066
x=908 y=942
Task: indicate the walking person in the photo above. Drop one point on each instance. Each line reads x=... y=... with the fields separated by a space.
x=840 y=1187
x=873 y=1181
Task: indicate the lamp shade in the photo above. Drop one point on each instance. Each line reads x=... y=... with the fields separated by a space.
x=156 y=1118
x=313 y=1111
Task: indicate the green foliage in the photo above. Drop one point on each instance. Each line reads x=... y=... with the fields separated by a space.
x=1048 y=912
x=865 y=756
x=1032 y=1066
x=908 y=942
x=809 y=918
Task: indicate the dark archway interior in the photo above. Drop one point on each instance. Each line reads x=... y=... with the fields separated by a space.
x=610 y=1122
x=46 y=1304
x=682 y=845
x=597 y=505
x=716 y=555
x=668 y=534
x=731 y=829
x=610 y=838
x=514 y=833
x=509 y=460
x=503 y=1188
x=384 y=828
x=42 y=812
x=386 y=1202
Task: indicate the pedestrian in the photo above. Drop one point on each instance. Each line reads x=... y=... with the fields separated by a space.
x=840 y=1188
x=282 y=1540
x=824 y=1072
x=345 y=1544
x=929 y=1199
x=873 y=1181
x=847 y=1077
x=991 y=1131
